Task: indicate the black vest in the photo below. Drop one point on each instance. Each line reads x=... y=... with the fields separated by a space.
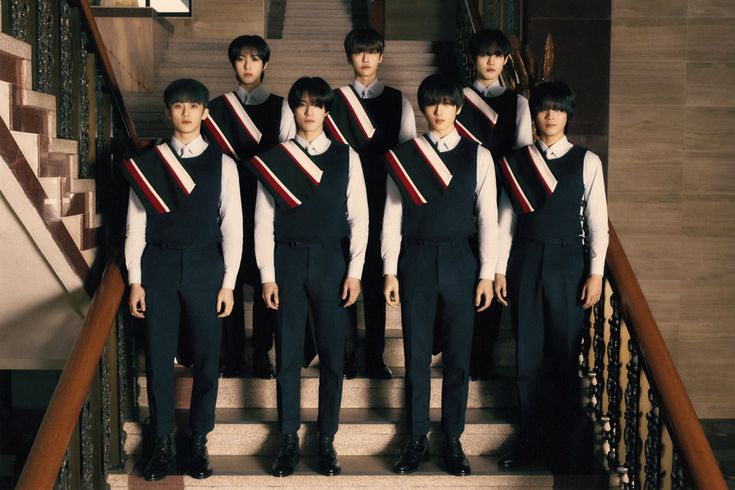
x=561 y=216
x=385 y=113
x=503 y=136
x=323 y=217
x=197 y=221
x=451 y=216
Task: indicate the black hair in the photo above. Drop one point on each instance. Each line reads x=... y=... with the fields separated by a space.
x=489 y=42
x=440 y=89
x=552 y=95
x=316 y=89
x=186 y=90
x=364 y=39
x=249 y=43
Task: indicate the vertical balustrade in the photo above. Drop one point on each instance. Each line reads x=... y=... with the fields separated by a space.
x=612 y=415
x=652 y=469
x=631 y=435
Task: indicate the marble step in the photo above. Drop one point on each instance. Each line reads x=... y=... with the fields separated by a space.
x=249 y=392
x=358 y=472
x=298 y=45
x=285 y=59
x=362 y=432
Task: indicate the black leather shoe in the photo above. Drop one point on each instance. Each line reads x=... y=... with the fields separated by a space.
x=454 y=458
x=378 y=369
x=415 y=453
x=350 y=365
x=163 y=459
x=199 y=466
x=328 y=464
x=288 y=456
x=516 y=458
x=262 y=366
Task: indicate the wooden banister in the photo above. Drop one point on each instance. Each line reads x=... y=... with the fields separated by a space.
x=42 y=466
x=684 y=425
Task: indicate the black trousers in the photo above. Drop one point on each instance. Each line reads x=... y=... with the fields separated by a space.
x=437 y=277
x=544 y=283
x=310 y=275
x=182 y=284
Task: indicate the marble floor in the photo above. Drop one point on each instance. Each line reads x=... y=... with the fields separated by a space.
x=721 y=435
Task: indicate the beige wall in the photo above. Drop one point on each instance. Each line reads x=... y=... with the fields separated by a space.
x=672 y=179
x=222 y=19
x=433 y=19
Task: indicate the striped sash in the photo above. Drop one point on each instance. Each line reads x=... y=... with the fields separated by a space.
x=527 y=179
x=477 y=118
x=353 y=122
x=158 y=179
x=287 y=172
x=418 y=171
x=224 y=134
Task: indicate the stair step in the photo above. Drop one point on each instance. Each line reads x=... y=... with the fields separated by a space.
x=29 y=146
x=83 y=185
x=361 y=431
x=286 y=61
x=75 y=226
x=297 y=46
x=53 y=187
x=356 y=393
x=360 y=472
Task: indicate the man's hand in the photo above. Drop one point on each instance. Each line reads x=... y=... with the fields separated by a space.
x=591 y=291
x=136 y=301
x=350 y=291
x=501 y=289
x=270 y=295
x=483 y=294
x=225 y=302
x=390 y=291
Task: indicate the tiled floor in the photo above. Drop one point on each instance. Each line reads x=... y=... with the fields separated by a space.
x=721 y=435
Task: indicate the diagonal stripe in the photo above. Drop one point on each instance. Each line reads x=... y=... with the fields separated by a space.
x=476 y=101
x=463 y=131
x=242 y=116
x=545 y=175
x=406 y=181
x=358 y=111
x=181 y=176
x=275 y=183
x=153 y=197
x=215 y=131
x=303 y=161
x=434 y=161
x=334 y=130
x=515 y=187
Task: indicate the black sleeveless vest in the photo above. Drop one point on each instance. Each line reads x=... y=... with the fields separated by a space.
x=502 y=138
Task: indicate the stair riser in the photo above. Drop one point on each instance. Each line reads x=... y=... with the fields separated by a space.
x=285 y=59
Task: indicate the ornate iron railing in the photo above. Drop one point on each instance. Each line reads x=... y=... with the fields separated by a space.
x=81 y=438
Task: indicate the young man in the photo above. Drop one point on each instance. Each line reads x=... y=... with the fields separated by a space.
x=182 y=250
x=311 y=225
x=243 y=123
x=372 y=118
x=553 y=201
x=442 y=192
x=498 y=119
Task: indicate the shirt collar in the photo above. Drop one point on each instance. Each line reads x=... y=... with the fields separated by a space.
x=255 y=97
x=447 y=143
x=192 y=149
x=372 y=90
x=557 y=150
x=317 y=146
x=492 y=90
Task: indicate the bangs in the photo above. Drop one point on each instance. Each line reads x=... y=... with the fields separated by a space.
x=366 y=40
x=489 y=42
x=440 y=89
x=186 y=90
x=555 y=96
x=249 y=44
x=314 y=89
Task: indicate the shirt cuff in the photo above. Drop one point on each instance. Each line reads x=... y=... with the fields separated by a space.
x=597 y=266
x=486 y=272
x=354 y=270
x=229 y=281
x=134 y=276
x=267 y=274
x=501 y=267
x=390 y=267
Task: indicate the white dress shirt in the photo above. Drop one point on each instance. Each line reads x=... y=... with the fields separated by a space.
x=357 y=215
x=259 y=95
x=524 y=133
x=230 y=212
x=485 y=209
x=595 y=211
x=408 y=120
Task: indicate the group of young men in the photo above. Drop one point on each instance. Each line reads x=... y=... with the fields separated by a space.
x=327 y=194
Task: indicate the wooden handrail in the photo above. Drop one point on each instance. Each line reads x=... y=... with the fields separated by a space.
x=99 y=46
x=43 y=463
x=684 y=425
x=474 y=14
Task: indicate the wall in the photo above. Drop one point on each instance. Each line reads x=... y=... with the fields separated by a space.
x=671 y=180
x=433 y=20
x=222 y=19
x=134 y=39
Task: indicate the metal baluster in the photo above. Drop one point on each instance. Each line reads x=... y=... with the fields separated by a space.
x=87 y=443
x=652 y=468
x=631 y=436
x=63 y=482
x=679 y=478
x=46 y=61
x=611 y=435
x=86 y=170
x=122 y=374
x=597 y=384
x=20 y=12
x=106 y=416
x=65 y=105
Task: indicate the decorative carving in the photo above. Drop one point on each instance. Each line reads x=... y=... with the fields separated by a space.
x=122 y=374
x=66 y=72
x=63 y=481
x=598 y=348
x=106 y=396
x=652 y=468
x=679 y=476
x=85 y=429
x=613 y=384
x=19 y=13
x=99 y=117
x=631 y=435
x=46 y=25
x=86 y=170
